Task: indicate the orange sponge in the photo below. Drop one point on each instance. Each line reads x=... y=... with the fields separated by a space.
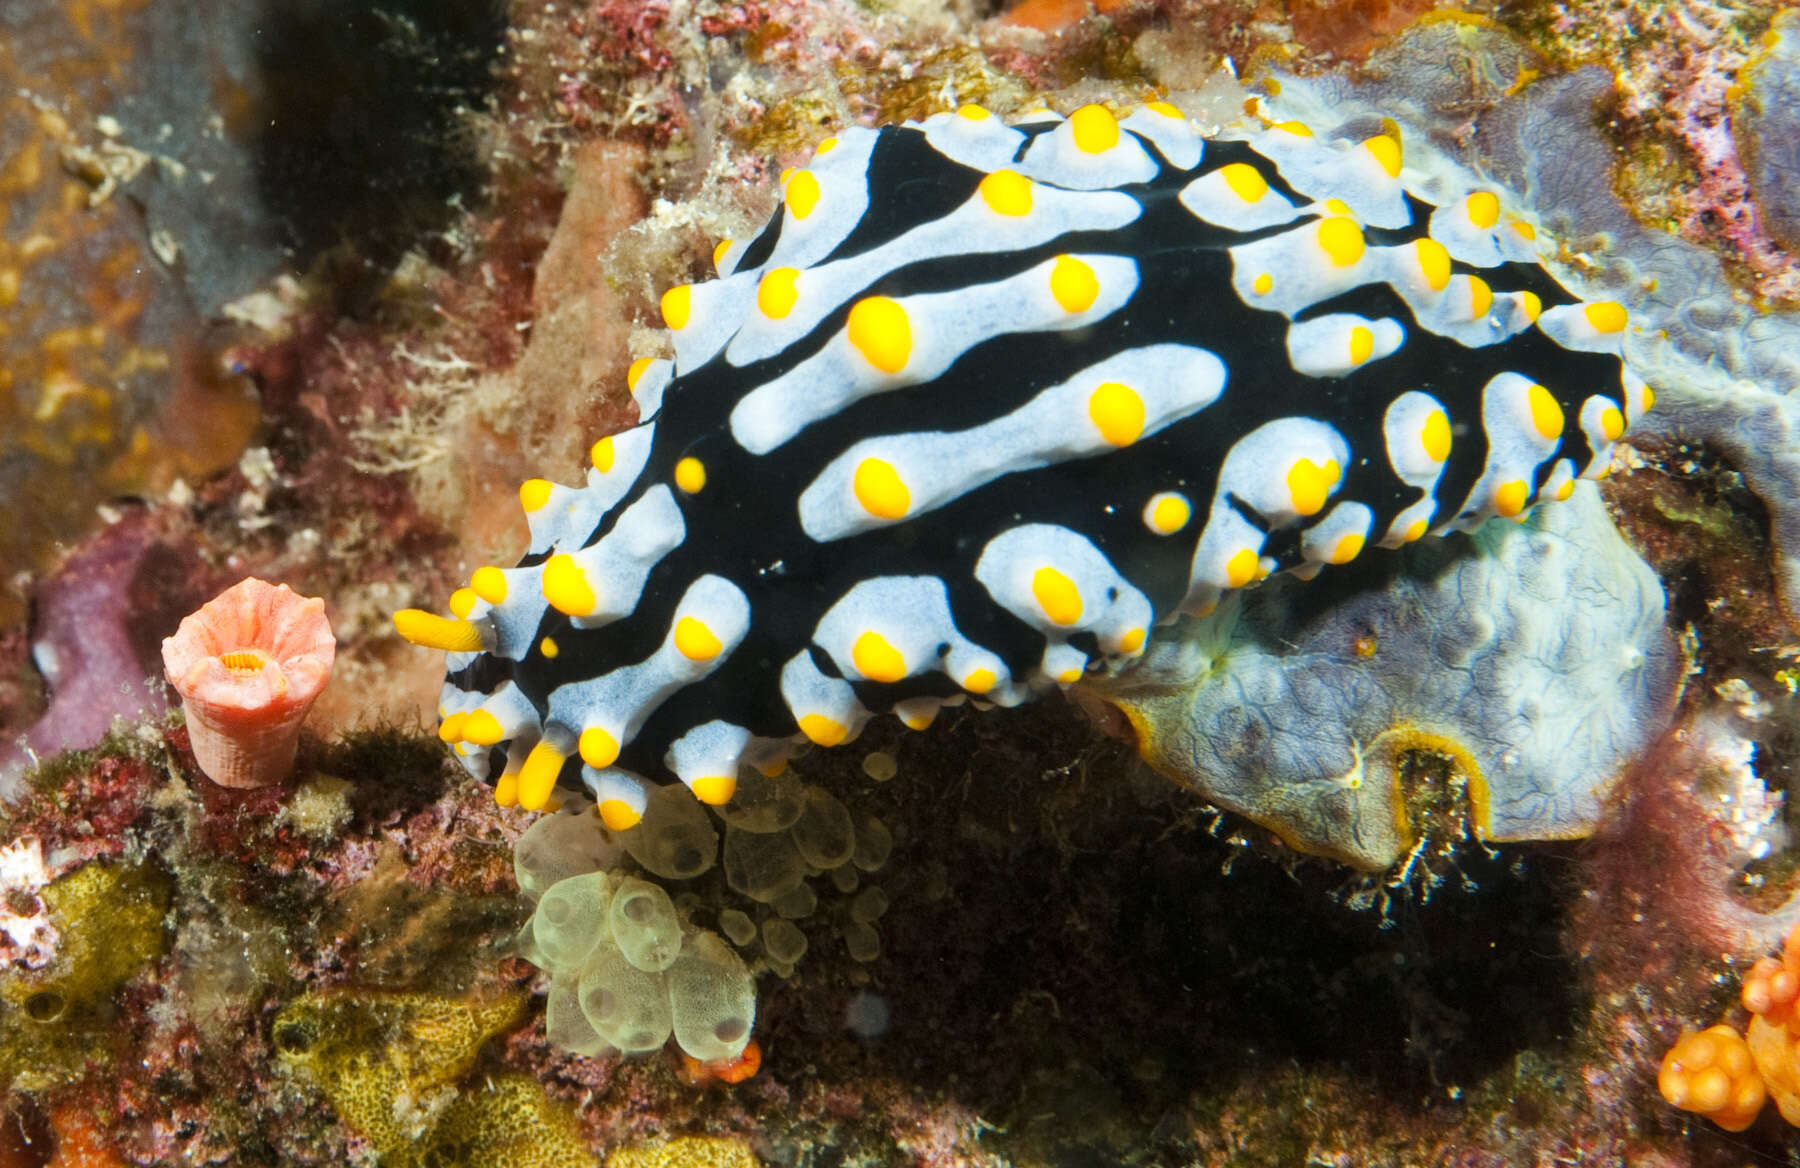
x=1726 y=1076
x=1769 y=994
x=1714 y=1074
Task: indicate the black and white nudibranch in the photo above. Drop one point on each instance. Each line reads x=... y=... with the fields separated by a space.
x=983 y=404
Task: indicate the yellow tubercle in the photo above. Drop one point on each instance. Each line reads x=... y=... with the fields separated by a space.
x=1606 y=316
x=1386 y=151
x=695 y=641
x=1073 y=284
x=537 y=778
x=1510 y=498
x=437 y=632
x=1612 y=424
x=1309 y=484
x=1006 y=192
x=1483 y=208
x=450 y=729
x=880 y=489
x=1057 y=595
x=1434 y=436
x=823 y=731
x=1346 y=549
x=636 y=372
x=1481 y=298
x=619 y=815
x=714 y=790
x=690 y=475
x=877 y=659
x=482 y=728
x=598 y=748
x=1342 y=240
x=534 y=493
x=802 y=194
x=1170 y=514
x=1094 y=128
x=777 y=292
x=462 y=602
x=1245 y=181
x=566 y=588
x=678 y=306
x=1434 y=263
x=879 y=330
x=1242 y=567
x=1117 y=411
x=489 y=583
x=1546 y=412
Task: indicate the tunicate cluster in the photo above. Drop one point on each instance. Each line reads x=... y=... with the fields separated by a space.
x=780 y=832
x=629 y=966
x=626 y=972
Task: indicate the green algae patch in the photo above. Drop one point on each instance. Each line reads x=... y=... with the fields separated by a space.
x=110 y=924
x=392 y=1064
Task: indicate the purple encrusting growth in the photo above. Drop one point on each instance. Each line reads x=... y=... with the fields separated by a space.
x=97 y=623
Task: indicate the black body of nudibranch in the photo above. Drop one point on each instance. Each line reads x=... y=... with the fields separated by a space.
x=984 y=403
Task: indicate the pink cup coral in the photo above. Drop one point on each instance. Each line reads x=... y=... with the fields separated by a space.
x=248 y=666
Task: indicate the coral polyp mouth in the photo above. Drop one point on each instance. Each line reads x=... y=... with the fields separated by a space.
x=243 y=662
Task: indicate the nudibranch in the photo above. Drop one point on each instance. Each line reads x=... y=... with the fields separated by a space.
x=984 y=403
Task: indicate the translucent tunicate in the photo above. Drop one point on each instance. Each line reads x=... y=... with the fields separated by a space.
x=823 y=833
x=874 y=843
x=566 y=1025
x=761 y=867
x=862 y=941
x=797 y=902
x=625 y=1005
x=783 y=941
x=560 y=845
x=880 y=765
x=867 y=1015
x=570 y=920
x=712 y=997
x=644 y=924
x=737 y=926
x=868 y=905
x=845 y=879
x=676 y=839
x=763 y=804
